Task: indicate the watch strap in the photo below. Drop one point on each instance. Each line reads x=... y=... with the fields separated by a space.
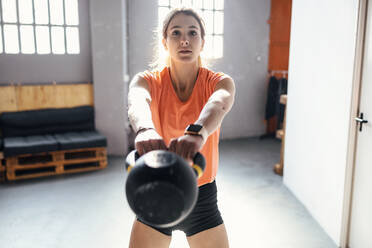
x=202 y=133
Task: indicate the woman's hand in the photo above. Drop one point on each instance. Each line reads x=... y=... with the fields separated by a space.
x=149 y=140
x=186 y=146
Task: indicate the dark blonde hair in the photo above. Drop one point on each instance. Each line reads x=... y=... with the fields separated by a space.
x=158 y=62
x=185 y=11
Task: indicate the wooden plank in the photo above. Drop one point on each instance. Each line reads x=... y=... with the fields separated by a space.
x=31 y=166
x=31 y=97
x=82 y=170
x=83 y=160
x=11 y=175
x=35 y=97
x=74 y=95
x=101 y=150
x=99 y=165
x=8 y=100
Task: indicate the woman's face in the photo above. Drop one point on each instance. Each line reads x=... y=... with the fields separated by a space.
x=184 y=42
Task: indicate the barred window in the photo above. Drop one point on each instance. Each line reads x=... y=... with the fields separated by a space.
x=39 y=27
x=212 y=12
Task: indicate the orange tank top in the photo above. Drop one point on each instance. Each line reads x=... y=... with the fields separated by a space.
x=171 y=116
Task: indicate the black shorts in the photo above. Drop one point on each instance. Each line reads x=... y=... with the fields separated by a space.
x=204 y=216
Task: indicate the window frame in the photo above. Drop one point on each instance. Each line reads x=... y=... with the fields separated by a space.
x=34 y=26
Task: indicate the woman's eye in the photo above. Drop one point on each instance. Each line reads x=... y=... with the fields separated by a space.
x=176 y=32
x=193 y=33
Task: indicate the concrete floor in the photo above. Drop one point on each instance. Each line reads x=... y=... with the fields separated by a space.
x=90 y=209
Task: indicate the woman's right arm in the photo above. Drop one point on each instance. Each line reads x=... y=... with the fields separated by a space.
x=139 y=113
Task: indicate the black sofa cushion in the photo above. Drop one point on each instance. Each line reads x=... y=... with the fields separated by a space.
x=76 y=140
x=47 y=121
x=29 y=145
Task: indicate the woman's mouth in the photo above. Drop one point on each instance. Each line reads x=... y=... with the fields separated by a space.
x=185 y=51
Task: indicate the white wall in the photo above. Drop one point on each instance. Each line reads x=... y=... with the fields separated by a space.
x=246 y=41
x=322 y=51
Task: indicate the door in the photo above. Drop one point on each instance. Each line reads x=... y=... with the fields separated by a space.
x=361 y=208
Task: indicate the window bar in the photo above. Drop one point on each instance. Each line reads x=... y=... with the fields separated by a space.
x=50 y=29
x=19 y=27
x=34 y=26
x=2 y=24
x=214 y=25
x=64 y=24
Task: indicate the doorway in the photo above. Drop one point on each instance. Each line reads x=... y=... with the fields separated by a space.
x=357 y=215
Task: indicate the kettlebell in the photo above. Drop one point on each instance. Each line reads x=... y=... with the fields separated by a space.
x=161 y=186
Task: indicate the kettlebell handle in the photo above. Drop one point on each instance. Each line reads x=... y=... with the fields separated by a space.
x=198 y=162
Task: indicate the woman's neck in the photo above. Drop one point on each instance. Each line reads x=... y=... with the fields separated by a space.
x=184 y=77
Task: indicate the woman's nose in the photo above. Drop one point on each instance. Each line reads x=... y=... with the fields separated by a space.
x=184 y=42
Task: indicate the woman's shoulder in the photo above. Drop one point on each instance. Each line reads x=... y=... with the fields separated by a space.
x=153 y=74
x=154 y=77
x=211 y=75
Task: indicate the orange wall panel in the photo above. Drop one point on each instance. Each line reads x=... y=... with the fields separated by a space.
x=280 y=25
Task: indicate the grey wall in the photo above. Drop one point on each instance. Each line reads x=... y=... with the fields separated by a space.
x=109 y=69
x=245 y=57
x=46 y=68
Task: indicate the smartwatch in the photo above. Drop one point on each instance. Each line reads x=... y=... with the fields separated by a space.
x=196 y=129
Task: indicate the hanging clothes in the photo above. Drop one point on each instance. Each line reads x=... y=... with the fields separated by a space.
x=283 y=84
x=272 y=98
x=274 y=111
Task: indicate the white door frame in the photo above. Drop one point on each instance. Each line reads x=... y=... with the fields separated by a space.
x=351 y=151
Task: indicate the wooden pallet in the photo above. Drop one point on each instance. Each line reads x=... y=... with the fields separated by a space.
x=55 y=163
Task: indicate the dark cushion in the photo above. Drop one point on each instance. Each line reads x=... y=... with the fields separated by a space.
x=75 y=140
x=30 y=144
x=43 y=130
x=47 y=121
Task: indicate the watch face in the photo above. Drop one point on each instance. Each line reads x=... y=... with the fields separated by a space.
x=194 y=128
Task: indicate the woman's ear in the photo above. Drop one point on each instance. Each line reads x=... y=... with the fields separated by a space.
x=164 y=44
x=202 y=45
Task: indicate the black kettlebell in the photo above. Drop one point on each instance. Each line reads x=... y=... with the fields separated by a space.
x=161 y=186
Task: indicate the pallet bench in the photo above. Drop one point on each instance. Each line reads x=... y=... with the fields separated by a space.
x=55 y=163
x=47 y=142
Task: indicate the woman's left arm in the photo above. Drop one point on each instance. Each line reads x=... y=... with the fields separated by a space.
x=218 y=105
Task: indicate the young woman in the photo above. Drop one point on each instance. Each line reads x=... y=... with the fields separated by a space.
x=180 y=108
